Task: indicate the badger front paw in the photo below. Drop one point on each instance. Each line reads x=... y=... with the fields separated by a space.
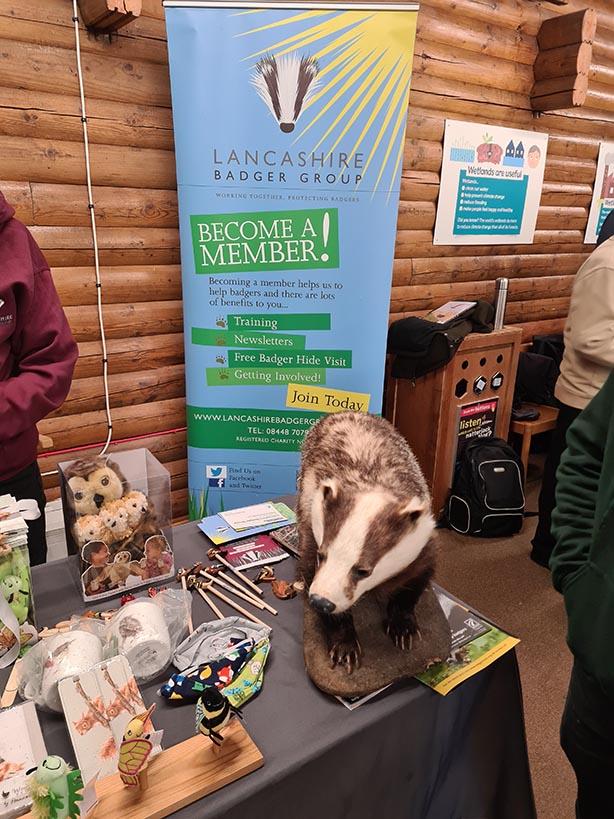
x=345 y=652
x=401 y=626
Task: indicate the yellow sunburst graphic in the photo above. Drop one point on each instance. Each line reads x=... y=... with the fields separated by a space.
x=367 y=64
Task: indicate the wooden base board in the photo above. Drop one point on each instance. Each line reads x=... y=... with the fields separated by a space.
x=179 y=776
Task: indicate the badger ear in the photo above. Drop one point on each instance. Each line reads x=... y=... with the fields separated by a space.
x=330 y=489
x=413 y=509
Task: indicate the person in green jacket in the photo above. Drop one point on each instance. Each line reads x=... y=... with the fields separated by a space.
x=582 y=565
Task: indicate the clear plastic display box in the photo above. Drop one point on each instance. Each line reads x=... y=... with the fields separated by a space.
x=117 y=516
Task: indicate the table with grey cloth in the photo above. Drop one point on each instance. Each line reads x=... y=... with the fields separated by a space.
x=409 y=754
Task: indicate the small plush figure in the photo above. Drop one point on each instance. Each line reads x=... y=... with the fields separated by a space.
x=136 y=506
x=16 y=596
x=134 y=752
x=214 y=712
x=92 y=482
x=114 y=515
x=121 y=569
x=53 y=787
x=89 y=528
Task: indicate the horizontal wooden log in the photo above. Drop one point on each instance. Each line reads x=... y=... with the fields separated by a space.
x=422 y=155
x=579 y=26
x=114 y=206
x=112 y=256
x=416 y=215
x=444 y=90
x=547 y=326
x=38 y=160
x=559 y=169
x=551 y=218
x=77 y=285
x=60 y=237
x=91 y=427
x=572 y=121
x=566 y=193
x=423 y=297
x=456 y=63
x=513 y=14
x=603 y=46
x=48 y=116
x=130 y=354
x=491 y=37
x=600 y=97
x=483 y=268
x=125 y=389
x=563 y=62
x=413 y=190
x=602 y=74
x=575 y=147
x=418 y=244
x=46 y=68
x=121 y=320
x=575 y=84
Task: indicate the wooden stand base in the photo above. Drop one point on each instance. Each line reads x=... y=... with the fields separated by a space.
x=179 y=776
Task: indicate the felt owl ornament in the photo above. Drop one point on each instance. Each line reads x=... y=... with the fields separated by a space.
x=134 y=751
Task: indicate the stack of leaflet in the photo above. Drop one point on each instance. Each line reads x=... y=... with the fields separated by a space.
x=14 y=528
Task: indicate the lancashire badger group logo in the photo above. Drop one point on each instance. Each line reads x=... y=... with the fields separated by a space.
x=285 y=85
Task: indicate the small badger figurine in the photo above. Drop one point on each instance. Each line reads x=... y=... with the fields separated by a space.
x=364 y=524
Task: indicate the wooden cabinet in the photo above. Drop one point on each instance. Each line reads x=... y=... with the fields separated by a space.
x=427 y=411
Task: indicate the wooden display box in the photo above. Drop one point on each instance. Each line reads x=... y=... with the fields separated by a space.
x=426 y=411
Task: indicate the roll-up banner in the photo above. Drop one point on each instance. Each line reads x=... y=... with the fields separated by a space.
x=289 y=136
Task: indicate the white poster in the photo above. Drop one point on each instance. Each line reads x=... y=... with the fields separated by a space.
x=491 y=183
x=603 y=193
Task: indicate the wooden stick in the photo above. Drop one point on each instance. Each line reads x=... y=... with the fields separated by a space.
x=237 y=573
x=228 y=601
x=210 y=603
x=245 y=595
x=12 y=684
x=229 y=579
x=182 y=577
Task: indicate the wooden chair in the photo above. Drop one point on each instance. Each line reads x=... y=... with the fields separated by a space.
x=545 y=422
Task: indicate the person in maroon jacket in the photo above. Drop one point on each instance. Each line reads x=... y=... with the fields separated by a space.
x=37 y=358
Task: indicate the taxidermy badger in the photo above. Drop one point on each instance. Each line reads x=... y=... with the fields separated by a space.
x=364 y=524
x=285 y=85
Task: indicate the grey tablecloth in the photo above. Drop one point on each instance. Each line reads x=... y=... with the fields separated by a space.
x=412 y=754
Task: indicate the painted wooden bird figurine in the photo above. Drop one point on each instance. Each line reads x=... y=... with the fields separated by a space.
x=214 y=712
x=134 y=751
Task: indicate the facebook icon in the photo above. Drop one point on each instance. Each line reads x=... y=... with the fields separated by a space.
x=216 y=476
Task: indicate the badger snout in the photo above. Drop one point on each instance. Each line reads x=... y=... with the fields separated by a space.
x=321 y=604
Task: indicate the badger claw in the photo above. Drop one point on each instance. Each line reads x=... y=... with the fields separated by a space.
x=401 y=630
x=345 y=653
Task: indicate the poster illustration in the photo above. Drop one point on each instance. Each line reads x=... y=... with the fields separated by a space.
x=289 y=134
x=475 y=420
x=491 y=183
x=603 y=192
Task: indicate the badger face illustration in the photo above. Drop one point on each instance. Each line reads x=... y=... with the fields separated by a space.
x=285 y=85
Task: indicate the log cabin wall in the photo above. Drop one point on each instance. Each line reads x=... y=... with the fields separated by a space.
x=473 y=61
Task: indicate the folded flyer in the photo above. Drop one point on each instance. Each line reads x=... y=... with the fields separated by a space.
x=254 y=551
x=476 y=644
x=245 y=522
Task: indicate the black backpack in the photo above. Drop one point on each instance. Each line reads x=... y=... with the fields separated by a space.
x=487 y=497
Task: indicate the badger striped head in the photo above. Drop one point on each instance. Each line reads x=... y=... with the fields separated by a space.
x=364 y=539
x=285 y=85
